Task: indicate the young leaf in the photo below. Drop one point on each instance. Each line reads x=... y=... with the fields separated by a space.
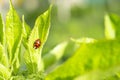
x=40 y=31
x=26 y=29
x=98 y=56
x=13 y=35
x=112 y=25
x=1 y=31
x=26 y=32
x=4 y=73
x=3 y=56
x=54 y=55
x=109 y=28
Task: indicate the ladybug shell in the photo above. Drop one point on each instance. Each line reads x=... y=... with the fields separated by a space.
x=37 y=44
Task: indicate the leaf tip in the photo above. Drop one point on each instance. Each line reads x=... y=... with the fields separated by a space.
x=51 y=6
x=10 y=3
x=110 y=32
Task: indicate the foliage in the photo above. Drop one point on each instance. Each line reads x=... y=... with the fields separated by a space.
x=75 y=59
x=18 y=57
x=96 y=60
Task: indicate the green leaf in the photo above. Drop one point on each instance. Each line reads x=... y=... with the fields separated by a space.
x=54 y=55
x=26 y=32
x=3 y=56
x=40 y=31
x=109 y=28
x=26 y=29
x=13 y=35
x=4 y=73
x=2 y=32
x=112 y=25
x=108 y=74
x=98 y=56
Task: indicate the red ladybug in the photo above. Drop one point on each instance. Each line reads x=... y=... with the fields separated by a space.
x=37 y=44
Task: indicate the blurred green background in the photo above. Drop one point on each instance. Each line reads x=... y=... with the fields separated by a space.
x=70 y=18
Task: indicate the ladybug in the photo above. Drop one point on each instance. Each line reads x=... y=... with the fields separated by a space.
x=37 y=44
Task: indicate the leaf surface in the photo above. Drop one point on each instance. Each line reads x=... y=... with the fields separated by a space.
x=40 y=31
x=13 y=36
x=99 y=56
